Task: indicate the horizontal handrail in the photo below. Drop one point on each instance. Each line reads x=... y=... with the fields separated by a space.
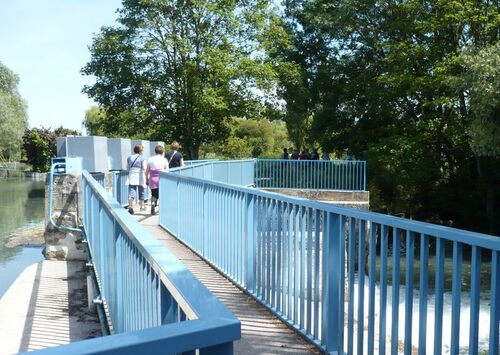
x=310 y=262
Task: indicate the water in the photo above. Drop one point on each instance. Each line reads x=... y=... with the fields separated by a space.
x=21 y=206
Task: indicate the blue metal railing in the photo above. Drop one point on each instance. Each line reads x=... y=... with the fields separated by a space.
x=120 y=188
x=100 y=178
x=237 y=172
x=154 y=304
x=200 y=161
x=338 y=275
x=311 y=174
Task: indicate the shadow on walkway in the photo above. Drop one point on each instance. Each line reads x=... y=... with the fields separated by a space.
x=58 y=312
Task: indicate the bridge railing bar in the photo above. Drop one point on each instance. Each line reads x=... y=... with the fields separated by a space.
x=120 y=188
x=293 y=255
x=311 y=174
x=237 y=172
x=100 y=178
x=152 y=301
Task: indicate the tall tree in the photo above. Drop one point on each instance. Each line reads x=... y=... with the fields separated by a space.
x=480 y=83
x=181 y=68
x=378 y=78
x=13 y=115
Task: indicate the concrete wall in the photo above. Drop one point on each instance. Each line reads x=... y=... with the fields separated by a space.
x=354 y=199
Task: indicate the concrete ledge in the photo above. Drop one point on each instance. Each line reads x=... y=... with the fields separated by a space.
x=45 y=307
x=354 y=199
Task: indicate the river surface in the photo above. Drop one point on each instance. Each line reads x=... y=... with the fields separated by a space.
x=21 y=207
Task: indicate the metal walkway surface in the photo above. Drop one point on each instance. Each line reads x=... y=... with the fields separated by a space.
x=261 y=331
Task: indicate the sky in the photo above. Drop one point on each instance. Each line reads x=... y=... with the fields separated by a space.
x=45 y=42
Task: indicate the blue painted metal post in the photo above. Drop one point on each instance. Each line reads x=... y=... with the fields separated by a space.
x=395 y=289
x=332 y=255
x=250 y=245
x=439 y=290
x=371 y=296
x=383 y=289
x=495 y=303
x=456 y=290
x=410 y=254
x=361 y=284
x=474 y=300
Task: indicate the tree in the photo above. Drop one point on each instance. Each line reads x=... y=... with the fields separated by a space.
x=480 y=82
x=377 y=77
x=13 y=115
x=182 y=68
x=40 y=146
x=251 y=138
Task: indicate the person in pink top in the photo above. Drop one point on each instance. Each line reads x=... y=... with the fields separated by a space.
x=156 y=164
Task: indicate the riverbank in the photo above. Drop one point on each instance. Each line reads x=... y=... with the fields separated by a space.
x=28 y=175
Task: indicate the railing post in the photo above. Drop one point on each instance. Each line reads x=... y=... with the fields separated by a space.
x=205 y=220
x=331 y=294
x=250 y=254
x=220 y=349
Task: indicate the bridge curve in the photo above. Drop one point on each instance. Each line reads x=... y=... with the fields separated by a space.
x=261 y=331
x=328 y=272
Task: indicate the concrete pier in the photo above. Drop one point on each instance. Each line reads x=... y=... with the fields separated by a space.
x=45 y=307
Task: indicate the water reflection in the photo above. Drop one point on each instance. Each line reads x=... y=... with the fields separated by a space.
x=21 y=206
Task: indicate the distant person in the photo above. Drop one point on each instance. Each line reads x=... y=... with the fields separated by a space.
x=136 y=166
x=295 y=154
x=155 y=164
x=314 y=154
x=349 y=155
x=285 y=154
x=304 y=155
x=174 y=157
x=325 y=155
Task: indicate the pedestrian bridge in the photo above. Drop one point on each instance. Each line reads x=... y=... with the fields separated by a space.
x=293 y=275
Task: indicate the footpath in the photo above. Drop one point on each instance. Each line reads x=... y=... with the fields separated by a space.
x=46 y=306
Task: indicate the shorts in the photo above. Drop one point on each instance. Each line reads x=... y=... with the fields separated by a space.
x=132 y=191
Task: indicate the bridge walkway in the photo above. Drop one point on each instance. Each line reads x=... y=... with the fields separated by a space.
x=261 y=331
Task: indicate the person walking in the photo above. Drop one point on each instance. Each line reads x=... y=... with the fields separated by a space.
x=314 y=154
x=174 y=157
x=285 y=156
x=304 y=155
x=295 y=154
x=136 y=166
x=155 y=164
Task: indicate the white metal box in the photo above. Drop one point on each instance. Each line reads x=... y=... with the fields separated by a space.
x=92 y=149
x=153 y=145
x=118 y=151
x=145 y=144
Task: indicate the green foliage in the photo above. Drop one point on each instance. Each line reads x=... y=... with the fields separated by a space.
x=481 y=80
x=180 y=68
x=257 y=137
x=250 y=138
x=380 y=78
x=40 y=146
x=13 y=115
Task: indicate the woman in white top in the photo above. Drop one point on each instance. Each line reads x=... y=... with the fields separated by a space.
x=136 y=165
x=156 y=164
